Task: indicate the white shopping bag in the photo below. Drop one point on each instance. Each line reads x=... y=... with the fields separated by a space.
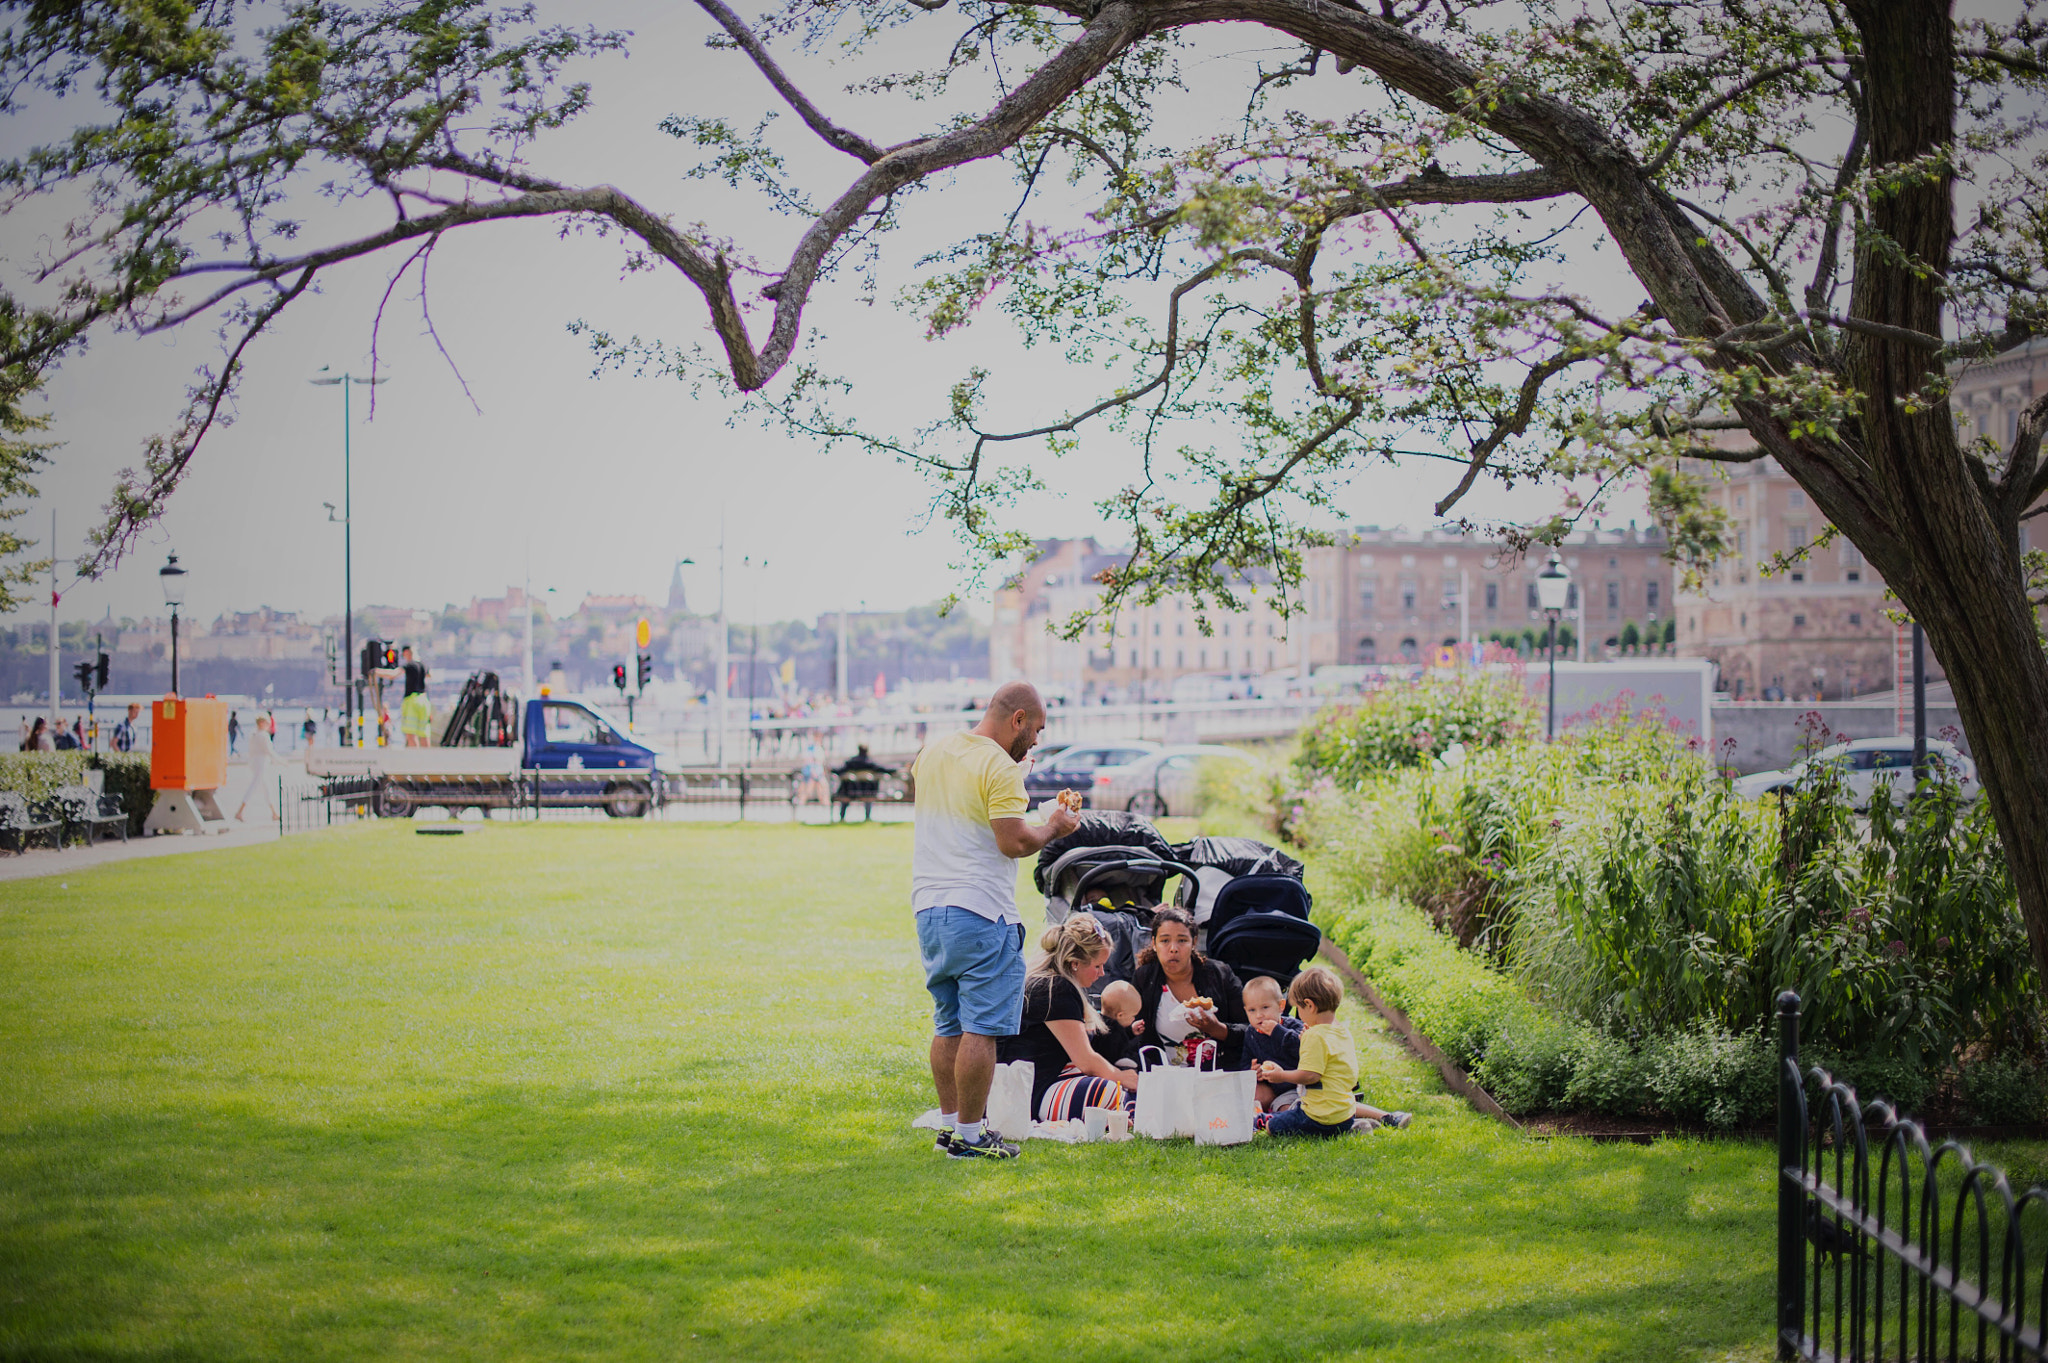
x=1223 y=1105
x=1165 y=1097
x=1009 y=1099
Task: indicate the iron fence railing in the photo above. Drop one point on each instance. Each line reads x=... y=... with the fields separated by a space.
x=1907 y=1251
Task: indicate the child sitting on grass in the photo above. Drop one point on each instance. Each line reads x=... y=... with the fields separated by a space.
x=1272 y=1036
x=1120 y=1007
x=1328 y=1067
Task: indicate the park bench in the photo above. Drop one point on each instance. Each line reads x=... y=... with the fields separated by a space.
x=868 y=787
x=89 y=812
x=23 y=821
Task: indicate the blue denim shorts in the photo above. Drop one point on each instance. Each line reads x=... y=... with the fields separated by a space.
x=974 y=969
x=1295 y=1121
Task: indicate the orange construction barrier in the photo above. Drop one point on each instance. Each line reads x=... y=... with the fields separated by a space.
x=188 y=762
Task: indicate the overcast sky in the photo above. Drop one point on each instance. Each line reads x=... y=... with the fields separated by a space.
x=601 y=483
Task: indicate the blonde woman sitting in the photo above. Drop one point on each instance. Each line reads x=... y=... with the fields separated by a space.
x=1059 y=1022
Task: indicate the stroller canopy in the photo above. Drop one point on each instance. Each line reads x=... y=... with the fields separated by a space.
x=1238 y=857
x=1102 y=828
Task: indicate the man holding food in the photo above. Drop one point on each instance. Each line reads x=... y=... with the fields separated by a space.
x=970 y=801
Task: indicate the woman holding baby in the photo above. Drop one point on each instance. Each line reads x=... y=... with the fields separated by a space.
x=1059 y=1024
x=1174 y=979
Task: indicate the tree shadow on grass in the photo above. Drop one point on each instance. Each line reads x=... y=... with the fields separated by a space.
x=676 y=1216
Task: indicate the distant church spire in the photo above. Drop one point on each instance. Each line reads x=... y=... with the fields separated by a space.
x=676 y=600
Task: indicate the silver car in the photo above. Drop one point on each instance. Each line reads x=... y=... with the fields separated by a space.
x=1865 y=764
x=1162 y=785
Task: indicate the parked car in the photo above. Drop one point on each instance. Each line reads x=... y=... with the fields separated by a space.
x=1163 y=784
x=1078 y=766
x=1864 y=764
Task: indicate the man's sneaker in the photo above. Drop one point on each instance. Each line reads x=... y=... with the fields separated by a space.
x=944 y=1144
x=1398 y=1120
x=988 y=1145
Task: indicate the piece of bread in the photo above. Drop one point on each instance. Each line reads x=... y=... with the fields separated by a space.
x=1070 y=800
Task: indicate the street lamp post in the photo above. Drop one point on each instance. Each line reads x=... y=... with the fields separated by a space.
x=1553 y=589
x=351 y=694
x=173 y=579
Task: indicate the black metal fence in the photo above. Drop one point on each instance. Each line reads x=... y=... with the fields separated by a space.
x=1889 y=1248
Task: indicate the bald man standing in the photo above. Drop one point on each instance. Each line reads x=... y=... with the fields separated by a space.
x=963 y=889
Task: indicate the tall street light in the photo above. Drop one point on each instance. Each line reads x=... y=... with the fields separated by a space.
x=173 y=579
x=1553 y=589
x=351 y=695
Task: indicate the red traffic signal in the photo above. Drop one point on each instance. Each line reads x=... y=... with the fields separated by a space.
x=619 y=675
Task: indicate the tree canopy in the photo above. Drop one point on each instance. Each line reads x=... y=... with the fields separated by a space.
x=1814 y=211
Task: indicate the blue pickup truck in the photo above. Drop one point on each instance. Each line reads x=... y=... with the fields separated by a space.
x=495 y=754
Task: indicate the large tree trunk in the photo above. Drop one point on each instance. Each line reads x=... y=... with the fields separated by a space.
x=1954 y=560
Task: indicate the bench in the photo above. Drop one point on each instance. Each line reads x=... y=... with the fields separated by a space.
x=21 y=822
x=88 y=811
x=868 y=787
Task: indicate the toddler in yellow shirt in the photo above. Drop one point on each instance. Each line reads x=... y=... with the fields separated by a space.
x=1328 y=1070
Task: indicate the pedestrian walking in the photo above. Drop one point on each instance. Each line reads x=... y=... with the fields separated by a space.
x=234 y=732
x=970 y=802
x=259 y=769
x=38 y=739
x=125 y=733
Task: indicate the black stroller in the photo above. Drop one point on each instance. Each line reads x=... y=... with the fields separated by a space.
x=1250 y=906
x=1114 y=866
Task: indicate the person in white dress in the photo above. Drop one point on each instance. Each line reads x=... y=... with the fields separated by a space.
x=259 y=768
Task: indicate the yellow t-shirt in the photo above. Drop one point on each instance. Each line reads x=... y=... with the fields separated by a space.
x=1327 y=1049
x=963 y=781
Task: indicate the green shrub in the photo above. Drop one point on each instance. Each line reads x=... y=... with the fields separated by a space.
x=1610 y=1077
x=1410 y=723
x=1530 y=1062
x=2005 y=1091
x=36 y=774
x=127 y=775
x=1705 y=1073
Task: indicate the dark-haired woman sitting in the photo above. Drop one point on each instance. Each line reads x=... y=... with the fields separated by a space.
x=1170 y=973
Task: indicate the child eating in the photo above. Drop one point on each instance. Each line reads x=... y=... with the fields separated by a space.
x=1327 y=1068
x=1273 y=1036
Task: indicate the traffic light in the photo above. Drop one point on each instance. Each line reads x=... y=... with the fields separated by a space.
x=646 y=662
x=390 y=656
x=619 y=676
x=99 y=672
x=372 y=656
x=83 y=671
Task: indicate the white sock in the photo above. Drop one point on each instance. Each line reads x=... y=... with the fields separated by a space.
x=969 y=1132
x=949 y=1120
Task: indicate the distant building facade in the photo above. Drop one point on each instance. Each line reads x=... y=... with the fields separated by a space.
x=1377 y=596
x=1393 y=596
x=1143 y=651
x=1820 y=630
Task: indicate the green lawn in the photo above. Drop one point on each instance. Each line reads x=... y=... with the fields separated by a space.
x=619 y=1092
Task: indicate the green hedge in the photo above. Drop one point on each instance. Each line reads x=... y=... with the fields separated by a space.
x=37 y=774
x=127 y=775
x=1534 y=1060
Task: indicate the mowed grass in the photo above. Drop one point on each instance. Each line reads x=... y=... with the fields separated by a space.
x=627 y=1092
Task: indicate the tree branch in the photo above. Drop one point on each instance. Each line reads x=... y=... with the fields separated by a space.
x=853 y=144
x=1707 y=110
x=1521 y=186
x=1513 y=424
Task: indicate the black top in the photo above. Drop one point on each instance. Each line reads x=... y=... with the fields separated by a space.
x=1047 y=998
x=415 y=678
x=1283 y=1047
x=1215 y=980
x=1118 y=1043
